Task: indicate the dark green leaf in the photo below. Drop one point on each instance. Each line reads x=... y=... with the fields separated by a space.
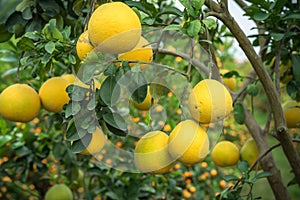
x=173 y=27
x=137 y=87
x=116 y=131
x=230 y=177
x=115 y=120
x=77 y=7
x=252 y=90
x=110 y=70
x=197 y=4
x=158 y=90
x=50 y=47
x=110 y=90
x=80 y=145
x=13 y=20
x=231 y=74
x=260 y=16
x=263 y=175
x=78 y=93
x=296 y=68
x=25 y=44
x=277 y=36
x=243 y=166
x=239 y=113
x=194 y=28
x=293 y=90
x=210 y=23
x=292 y=16
x=170 y=10
x=188 y=7
x=4 y=139
x=27 y=14
x=50 y=8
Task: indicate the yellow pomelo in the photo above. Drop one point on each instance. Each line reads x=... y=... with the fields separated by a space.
x=114 y=28
x=72 y=79
x=229 y=82
x=19 y=103
x=292 y=114
x=146 y=104
x=83 y=45
x=151 y=153
x=188 y=142
x=225 y=154
x=59 y=192
x=53 y=94
x=97 y=142
x=209 y=101
x=249 y=152
x=141 y=52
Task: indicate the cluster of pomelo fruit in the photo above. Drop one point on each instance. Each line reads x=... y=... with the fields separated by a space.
x=188 y=143
x=227 y=154
x=21 y=103
x=114 y=28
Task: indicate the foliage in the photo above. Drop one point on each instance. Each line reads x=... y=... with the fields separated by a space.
x=39 y=40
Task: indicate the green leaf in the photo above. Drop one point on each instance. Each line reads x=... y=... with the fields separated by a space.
x=110 y=90
x=252 y=90
x=77 y=7
x=115 y=120
x=239 y=113
x=197 y=4
x=169 y=10
x=4 y=139
x=293 y=90
x=25 y=44
x=137 y=86
x=72 y=59
x=158 y=90
x=210 y=23
x=296 y=68
x=263 y=175
x=260 y=15
x=27 y=14
x=77 y=93
x=230 y=177
x=80 y=145
x=187 y=5
x=173 y=27
x=194 y=28
x=292 y=16
x=243 y=166
x=50 y=47
x=277 y=36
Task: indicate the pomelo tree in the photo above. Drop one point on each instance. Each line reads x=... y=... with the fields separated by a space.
x=38 y=42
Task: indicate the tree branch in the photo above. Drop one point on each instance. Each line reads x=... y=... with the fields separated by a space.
x=194 y=62
x=267 y=162
x=270 y=90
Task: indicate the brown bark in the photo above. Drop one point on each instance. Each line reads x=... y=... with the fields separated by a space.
x=268 y=164
x=221 y=12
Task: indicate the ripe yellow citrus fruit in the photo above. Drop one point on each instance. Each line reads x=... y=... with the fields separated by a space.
x=188 y=142
x=292 y=114
x=229 y=82
x=72 y=79
x=141 y=52
x=225 y=154
x=209 y=101
x=19 y=103
x=114 y=28
x=146 y=104
x=97 y=142
x=53 y=94
x=83 y=45
x=151 y=153
x=59 y=191
x=249 y=152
